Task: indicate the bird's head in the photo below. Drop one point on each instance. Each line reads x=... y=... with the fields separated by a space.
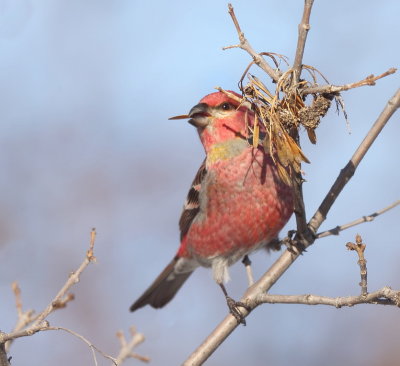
x=219 y=118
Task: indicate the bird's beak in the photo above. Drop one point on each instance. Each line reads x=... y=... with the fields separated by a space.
x=182 y=116
x=198 y=115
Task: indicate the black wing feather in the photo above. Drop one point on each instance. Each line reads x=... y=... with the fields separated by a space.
x=192 y=206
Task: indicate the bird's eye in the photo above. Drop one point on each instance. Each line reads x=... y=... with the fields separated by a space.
x=226 y=106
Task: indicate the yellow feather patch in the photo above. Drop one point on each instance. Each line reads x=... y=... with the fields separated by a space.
x=226 y=150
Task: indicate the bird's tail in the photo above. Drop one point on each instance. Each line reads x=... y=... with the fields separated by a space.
x=164 y=287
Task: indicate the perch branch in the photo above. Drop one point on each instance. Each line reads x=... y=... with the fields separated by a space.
x=299 y=207
x=229 y=324
x=226 y=327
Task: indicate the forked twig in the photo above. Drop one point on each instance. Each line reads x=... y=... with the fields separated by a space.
x=245 y=45
x=359 y=247
x=72 y=280
x=27 y=324
x=126 y=350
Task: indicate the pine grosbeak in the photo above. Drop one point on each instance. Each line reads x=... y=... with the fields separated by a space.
x=236 y=204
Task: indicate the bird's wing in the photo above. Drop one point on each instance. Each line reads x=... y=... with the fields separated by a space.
x=192 y=205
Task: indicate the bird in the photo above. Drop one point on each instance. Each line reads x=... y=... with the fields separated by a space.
x=236 y=204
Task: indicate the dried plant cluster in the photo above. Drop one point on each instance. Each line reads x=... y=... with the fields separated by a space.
x=280 y=115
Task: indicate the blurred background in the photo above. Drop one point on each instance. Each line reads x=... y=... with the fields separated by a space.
x=87 y=87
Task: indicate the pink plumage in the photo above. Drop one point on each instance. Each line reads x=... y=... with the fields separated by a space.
x=237 y=202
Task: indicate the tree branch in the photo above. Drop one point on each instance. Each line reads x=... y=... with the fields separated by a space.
x=336 y=230
x=328 y=89
x=384 y=296
x=72 y=280
x=228 y=325
x=245 y=45
x=38 y=323
x=299 y=207
x=304 y=27
x=28 y=325
x=348 y=171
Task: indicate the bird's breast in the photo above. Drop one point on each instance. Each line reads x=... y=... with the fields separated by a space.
x=242 y=203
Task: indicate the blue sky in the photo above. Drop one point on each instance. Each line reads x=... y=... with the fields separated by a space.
x=87 y=88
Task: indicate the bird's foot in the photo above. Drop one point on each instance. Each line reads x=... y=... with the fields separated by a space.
x=294 y=243
x=234 y=309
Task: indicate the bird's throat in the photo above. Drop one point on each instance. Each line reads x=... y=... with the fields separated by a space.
x=226 y=150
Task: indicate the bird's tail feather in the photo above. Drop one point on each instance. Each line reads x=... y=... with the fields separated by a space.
x=163 y=289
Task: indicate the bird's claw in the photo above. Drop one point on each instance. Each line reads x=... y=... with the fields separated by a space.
x=234 y=309
x=294 y=244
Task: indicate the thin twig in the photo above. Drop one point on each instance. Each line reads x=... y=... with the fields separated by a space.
x=336 y=230
x=125 y=352
x=72 y=280
x=304 y=27
x=359 y=247
x=369 y=80
x=127 y=347
x=28 y=325
x=384 y=296
x=4 y=337
x=18 y=302
x=245 y=45
x=348 y=171
x=44 y=326
x=23 y=317
x=26 y=317
x=92 y=347
x=234 y=97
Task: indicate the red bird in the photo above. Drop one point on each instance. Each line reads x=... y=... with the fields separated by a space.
x=237 y=202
